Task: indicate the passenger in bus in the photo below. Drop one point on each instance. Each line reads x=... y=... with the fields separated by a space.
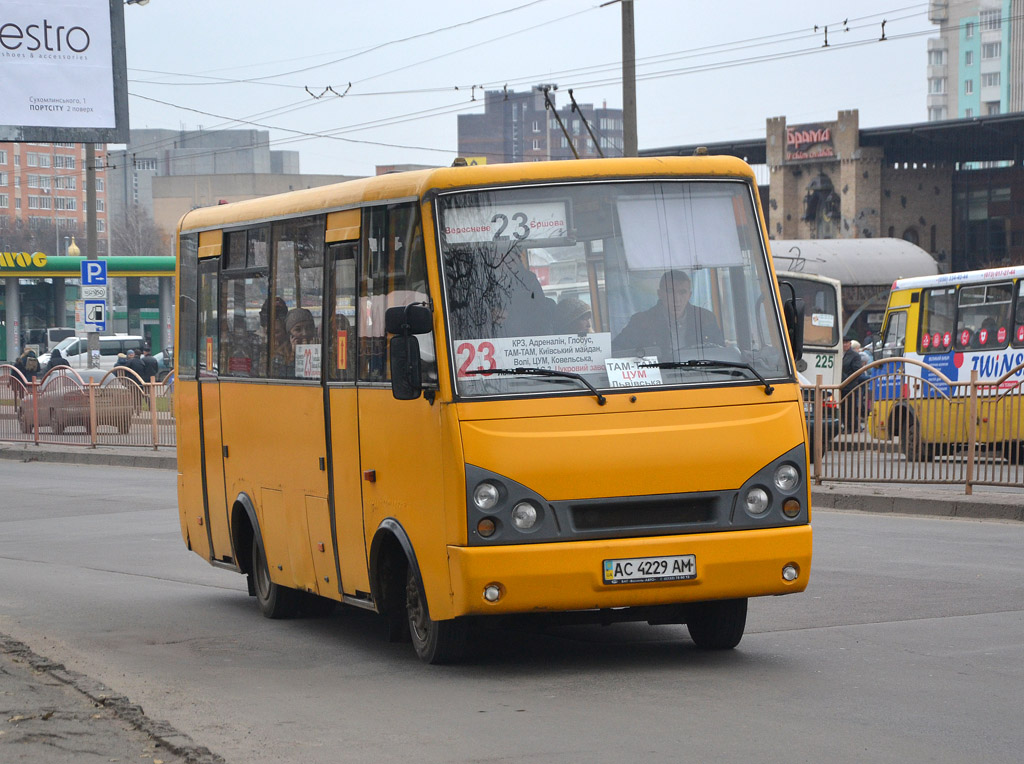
x=573 y=316
x=521 y=308
x=672 y=326
x=301 y=328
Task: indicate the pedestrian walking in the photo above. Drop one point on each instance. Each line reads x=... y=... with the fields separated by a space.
x=56 y=359
x=852 y=398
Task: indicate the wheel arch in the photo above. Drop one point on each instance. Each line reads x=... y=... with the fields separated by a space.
x=391 y=553
x=244 y=527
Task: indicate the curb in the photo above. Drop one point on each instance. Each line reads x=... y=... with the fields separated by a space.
x=989 y=506
x=85 y=455
x=171 y=739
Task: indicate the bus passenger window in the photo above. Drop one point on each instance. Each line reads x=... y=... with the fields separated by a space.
x=209 y=337
x=938 y=308
x=984 y=317
x=1018 y=324
x=298 y=266
x=895 y=335
x=243 y=338
x=341 y=331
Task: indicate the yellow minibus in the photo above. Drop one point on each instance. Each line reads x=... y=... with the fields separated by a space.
x=952 y=325
x=382 y=402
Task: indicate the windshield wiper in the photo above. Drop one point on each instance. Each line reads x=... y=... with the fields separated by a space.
x=538 y=372
x=712 y=365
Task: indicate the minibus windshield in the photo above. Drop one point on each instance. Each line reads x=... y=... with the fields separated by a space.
x=625 y=283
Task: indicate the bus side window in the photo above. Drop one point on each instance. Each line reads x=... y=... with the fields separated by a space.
x=1018 y=323
x=297 y=255
x=393 y=274
x=208 y=329
x=243 y=331
x=187 y=318
x=895 y=335
x=341 y=330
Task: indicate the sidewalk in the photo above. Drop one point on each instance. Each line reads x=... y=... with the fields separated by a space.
x=50 y=715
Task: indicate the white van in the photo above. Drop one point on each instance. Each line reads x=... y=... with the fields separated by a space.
x=76 y=350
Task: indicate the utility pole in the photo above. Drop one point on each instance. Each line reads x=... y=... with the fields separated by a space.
x=93 y=339
x=629 y=139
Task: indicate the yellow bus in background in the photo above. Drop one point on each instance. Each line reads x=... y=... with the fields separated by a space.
x=956 y=323
x=380 y=405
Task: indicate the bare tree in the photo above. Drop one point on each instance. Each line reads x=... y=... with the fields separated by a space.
x=137 y=235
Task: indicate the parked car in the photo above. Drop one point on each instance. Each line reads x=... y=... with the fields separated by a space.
x=61 y=402
x=831 y=422
x=76 y=351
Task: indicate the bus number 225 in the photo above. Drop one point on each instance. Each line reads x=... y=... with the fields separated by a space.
x=824 y=361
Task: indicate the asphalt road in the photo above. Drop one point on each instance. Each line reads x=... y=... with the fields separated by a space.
x=906 y=647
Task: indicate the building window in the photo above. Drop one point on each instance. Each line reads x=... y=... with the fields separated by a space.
x=3 y=156
x=991 y=20
x=937 y=85
x=68 y=203
x=991 y=50
x=536 y=144
x=101 y=225
x=4 y=201
x=32 y=159
x=968 y=113
x=968 y=87
x=969 y=30
x=65 y=182
x=935 y=58
x=992 y=108
x=991 y=79
x=99 y=184
x=936 y=113
x=969 y=58
x=3 y=178
x=64 y=162
x=536 y=126
x=145 y=164
x=40 y=203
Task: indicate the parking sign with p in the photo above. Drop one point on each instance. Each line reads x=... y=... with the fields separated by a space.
x=94 y=273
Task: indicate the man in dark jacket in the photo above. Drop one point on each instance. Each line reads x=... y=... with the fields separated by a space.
x=150 y=364
x=672 y=326
x=56 y=359
x=852 y=391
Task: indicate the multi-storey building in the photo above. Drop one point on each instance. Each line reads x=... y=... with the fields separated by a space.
x=43 y=194
x=976 y=64
x=517 y=127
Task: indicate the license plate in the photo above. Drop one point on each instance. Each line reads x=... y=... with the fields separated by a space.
x=645 y=570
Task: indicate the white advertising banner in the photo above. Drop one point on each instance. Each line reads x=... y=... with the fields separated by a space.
x=55 y=63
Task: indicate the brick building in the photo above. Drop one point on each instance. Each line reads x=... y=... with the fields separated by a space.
x=42 y=187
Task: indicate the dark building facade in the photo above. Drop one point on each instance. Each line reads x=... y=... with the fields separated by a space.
x=518 y=127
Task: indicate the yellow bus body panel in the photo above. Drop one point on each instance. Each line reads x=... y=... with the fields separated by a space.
x=619 y=452
x=730 y=564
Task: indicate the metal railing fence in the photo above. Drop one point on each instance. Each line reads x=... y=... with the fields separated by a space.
x=891 y=422
x=115 y=408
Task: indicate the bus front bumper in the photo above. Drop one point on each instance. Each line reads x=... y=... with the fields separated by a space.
x=570 y=575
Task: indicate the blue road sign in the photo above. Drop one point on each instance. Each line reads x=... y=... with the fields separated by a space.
x=95 y=315
x=94 y=272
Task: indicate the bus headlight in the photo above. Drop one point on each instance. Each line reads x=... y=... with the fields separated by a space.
x=787 y=477
x=756 y=501
x=485 y=496
x=524 y=516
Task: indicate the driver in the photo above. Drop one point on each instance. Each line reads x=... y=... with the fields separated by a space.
x=672 y=324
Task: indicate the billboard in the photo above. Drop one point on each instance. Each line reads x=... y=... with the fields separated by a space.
x=62 y=71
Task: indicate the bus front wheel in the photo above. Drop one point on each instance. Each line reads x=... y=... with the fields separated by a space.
x=717 y=625
x=434 y=641
x=275 y=601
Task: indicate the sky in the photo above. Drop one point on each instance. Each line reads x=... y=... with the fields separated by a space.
x=352 y=84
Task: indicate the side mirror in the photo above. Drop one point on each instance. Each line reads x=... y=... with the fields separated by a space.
x=405 y=322
x=409 y=319
x=406 y=384
x=793 y=312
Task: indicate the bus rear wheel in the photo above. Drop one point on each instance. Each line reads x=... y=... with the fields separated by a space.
x=275 y=601
x=434 y=641
x=717 y=625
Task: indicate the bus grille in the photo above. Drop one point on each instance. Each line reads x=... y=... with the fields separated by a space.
x=643 y=513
